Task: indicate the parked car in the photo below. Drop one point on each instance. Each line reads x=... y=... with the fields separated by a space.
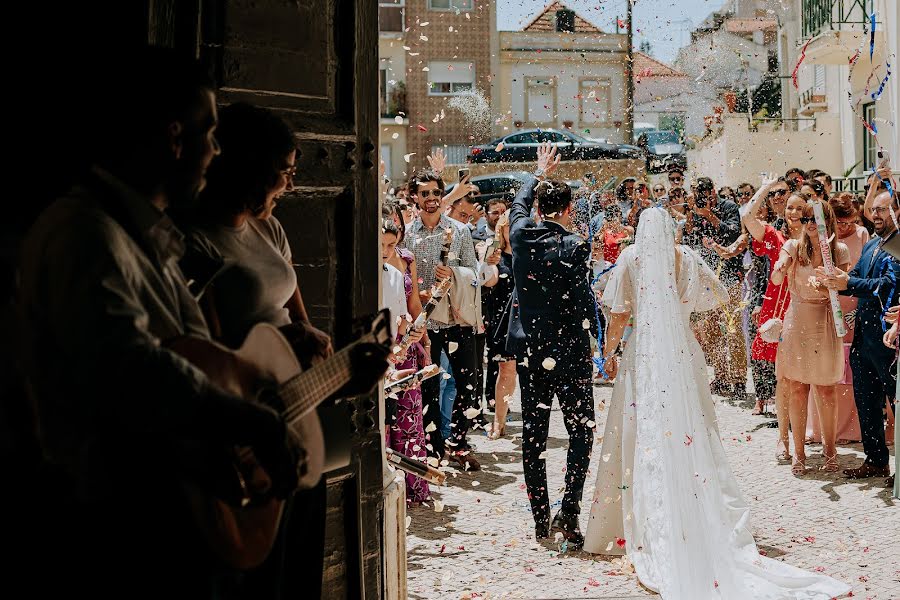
x=663 y=149
x=521 y=146
x=497 y=185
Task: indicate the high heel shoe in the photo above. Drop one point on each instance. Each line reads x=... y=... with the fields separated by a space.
x=831 y=464
x=497 y=432
x=784 y=456
x=799 y=466
x=760 y=408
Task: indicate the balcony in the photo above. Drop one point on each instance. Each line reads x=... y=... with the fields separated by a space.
x=391 y=17
x=811 y=102
x=834 y=30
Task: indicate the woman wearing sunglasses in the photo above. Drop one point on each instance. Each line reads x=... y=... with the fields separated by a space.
x=768 y=239
x=810 y=353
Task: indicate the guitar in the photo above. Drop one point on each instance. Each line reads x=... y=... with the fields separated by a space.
x=437 y=293
x=237 y=514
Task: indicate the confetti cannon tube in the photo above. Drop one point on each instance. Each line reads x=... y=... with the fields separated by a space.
x=415 y=466
x=827 y=261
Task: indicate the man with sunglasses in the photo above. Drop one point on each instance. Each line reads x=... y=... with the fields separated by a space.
x=874 y=280
x=676 y=177
x=424 y=237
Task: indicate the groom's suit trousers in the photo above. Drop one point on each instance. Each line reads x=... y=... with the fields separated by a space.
x=570 y=382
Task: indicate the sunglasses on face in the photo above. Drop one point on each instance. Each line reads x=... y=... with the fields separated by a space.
x=658 y=190
x=435 y=193
x=845 y=223
x=745 y=193
x=807 y=220
x=676 y=178
x=776 y=193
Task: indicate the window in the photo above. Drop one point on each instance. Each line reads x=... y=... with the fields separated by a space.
x=450 y=4
x=870 y=149
x=595 y=99
x=383 y=98
x=455 y=153
x=391 y=15
x=446 y=78
x=672 y=122
x=521 y=138
x=540 y=100
x=386 y=157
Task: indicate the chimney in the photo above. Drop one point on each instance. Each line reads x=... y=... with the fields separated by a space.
x=565 y=20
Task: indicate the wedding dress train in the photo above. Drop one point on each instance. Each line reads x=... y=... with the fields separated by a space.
x=665 y=493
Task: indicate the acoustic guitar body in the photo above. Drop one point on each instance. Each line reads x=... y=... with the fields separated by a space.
x=237 y=514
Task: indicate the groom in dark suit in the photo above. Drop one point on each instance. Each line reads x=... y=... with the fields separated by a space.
x=874 y=281
x=552 y=318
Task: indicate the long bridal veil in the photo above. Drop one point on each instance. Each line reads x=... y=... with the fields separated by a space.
x=687 y=532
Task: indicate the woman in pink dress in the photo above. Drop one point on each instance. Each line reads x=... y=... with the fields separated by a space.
x=854 y=236
x=810 y=353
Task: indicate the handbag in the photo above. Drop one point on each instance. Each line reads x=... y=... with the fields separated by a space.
x=770 y=331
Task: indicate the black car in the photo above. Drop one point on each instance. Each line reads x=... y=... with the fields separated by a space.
x=522 y=146
x=664 y=149
x=497 y=185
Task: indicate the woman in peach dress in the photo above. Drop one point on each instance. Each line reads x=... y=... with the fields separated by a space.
x=810 y=353
x=854 y=236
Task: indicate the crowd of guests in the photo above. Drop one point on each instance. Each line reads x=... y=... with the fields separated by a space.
x=775 y=327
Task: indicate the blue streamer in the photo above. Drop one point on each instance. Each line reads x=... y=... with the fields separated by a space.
x=871 y=36
x=876 y=95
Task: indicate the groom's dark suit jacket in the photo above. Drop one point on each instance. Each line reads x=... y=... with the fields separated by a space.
x=552 y=301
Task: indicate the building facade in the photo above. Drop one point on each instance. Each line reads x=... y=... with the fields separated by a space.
x=435 y=61
x=827 y=34
x=561 y=71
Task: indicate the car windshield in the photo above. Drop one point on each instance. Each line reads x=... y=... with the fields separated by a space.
x=662 y=137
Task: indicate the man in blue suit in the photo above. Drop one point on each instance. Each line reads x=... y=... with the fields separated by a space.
x=874 y=281
x=551 y=322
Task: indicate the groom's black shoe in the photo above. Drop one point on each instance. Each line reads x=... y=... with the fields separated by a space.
x=567 y=524
x=542 y=530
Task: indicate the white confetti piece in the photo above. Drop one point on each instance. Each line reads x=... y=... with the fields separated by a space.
x=433 y=462
x=447 y=376
x=408 y=521
x=542 y=405
x=548 y=363
x=606 y=457
x=591 y=424
x=406 y=156
x=542 y=455
x=438 y=506
x=585 y=324
x=471 y=413
x=395 y=135
x=430 y=427
x=399 y=121
x=476 y=483
x=452 y=347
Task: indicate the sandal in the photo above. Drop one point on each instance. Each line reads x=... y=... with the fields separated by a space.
x=799 y=466
x=831 y=464
x=760 y=408
x=497 y=432
x=784 y=456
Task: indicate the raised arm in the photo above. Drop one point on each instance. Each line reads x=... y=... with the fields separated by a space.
x=520 y=211
x=754 y=225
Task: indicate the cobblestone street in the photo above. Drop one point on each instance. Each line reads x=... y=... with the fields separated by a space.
x=477 y=539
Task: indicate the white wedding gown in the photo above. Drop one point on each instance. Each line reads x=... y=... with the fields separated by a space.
x=665 y=494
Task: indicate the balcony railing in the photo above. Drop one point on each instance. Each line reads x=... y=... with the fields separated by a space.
x=822 y=15
x=391 y=18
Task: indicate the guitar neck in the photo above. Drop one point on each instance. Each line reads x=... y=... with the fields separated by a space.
x=304 y=392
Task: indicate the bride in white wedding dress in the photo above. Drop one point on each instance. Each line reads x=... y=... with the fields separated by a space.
x=665 y=494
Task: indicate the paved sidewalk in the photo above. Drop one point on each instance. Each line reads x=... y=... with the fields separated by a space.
x=477 y=539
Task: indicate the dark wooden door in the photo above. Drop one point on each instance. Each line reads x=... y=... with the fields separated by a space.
x=315 y=63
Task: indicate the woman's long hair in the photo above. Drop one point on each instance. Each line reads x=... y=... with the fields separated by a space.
x=805 y=253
